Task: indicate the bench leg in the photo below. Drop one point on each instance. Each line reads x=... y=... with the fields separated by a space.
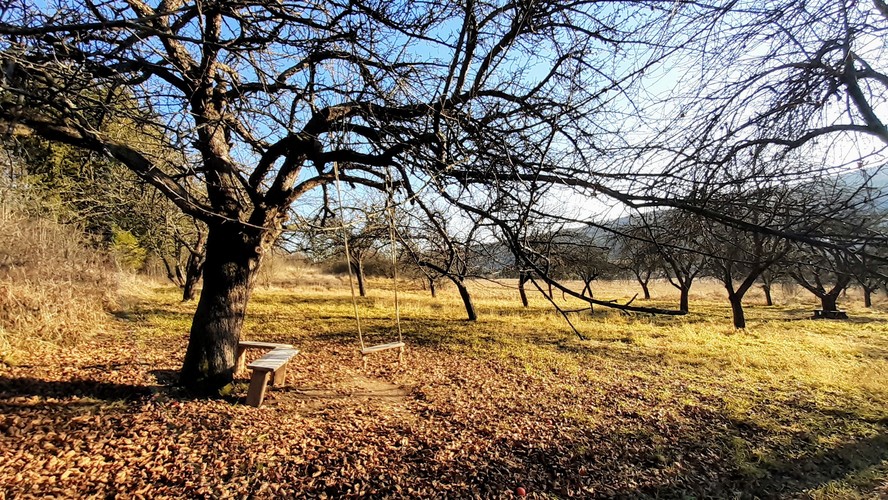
x=240 y=362
x=258 y=384
x=280 y=376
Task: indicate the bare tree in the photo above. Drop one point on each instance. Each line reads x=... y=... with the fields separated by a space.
x=247 y=106
x=738 y=258
x=359 y=230
x=824 y=273
x=446 y=247
x=637 y=253
x=259 y=99
x=183 y=253
x=679 y=238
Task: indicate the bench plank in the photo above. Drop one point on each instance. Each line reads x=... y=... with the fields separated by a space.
x=273 y=360
x=242 y=347
x=250 y=344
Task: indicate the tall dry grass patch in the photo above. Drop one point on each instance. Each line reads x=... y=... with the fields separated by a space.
x=54 y=288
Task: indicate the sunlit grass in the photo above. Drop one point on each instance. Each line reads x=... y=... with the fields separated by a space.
x=801 y=387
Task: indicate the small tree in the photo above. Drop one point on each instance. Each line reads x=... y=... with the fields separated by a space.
x=637 y=253
x=679 y=238
x=438 y=244
x=825 y=273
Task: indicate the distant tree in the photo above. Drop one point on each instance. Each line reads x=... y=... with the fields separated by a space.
x=183 y=252
x=679 y=238
x=359 y=230
x=824 y=273
x=444 y=247
x=768 y=278
x=638 y=254
x=582 y=258
x=870 y=273
x=737 y=257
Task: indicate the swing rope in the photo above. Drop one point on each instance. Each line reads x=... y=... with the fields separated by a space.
x=351 y=278
x=391 y=213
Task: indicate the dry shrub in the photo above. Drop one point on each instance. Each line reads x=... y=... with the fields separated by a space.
x=54 y=289
x=282 y=270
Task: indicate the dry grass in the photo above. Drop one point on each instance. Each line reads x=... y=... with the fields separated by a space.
x=665 y=407
x=54 y=289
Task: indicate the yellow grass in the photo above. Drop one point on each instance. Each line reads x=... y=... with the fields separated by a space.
x=789 y=404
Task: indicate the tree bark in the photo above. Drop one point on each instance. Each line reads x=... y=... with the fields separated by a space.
x=194 y=268
x=232 y=263
x=737 y=311
x=684 y=298
x=868 y=296
x=767 y=290
x=522 y=279
x=645 y=289
x=467 y=300
x=358 y=267
x=828 y=301
x=432 y=288
x=189 y=291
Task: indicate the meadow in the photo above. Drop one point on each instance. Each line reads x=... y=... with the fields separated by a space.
x=658 y=407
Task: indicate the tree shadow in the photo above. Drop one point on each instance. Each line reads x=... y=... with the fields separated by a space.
x=819 y=469
x=12 y=388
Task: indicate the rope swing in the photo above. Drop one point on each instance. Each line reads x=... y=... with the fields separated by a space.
x=390 y=212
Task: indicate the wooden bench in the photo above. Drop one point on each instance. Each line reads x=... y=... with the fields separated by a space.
x=244 y=345
x=821 y=314
x=270 y=369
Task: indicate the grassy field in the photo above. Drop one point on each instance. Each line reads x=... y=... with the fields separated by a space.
x=660 y=407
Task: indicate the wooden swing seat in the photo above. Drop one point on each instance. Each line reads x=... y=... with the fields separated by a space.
x=382 y=347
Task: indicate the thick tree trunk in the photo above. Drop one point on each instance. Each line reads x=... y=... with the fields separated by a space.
x=767 y=290
x=432 y=288
x=645 y=289
x=868 y=296
x=828 y=301
x=737 y=311
x=522 y=279
x=230 y=270
x=467 y=300
x=684 y=299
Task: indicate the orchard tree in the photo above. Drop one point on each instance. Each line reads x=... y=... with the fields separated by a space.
x=261 y=98
x=243 y=108
x=679 y=238
x=445 y=248
x=824 y=273
x=637 y=252
x=738 y=258
x=359 y=230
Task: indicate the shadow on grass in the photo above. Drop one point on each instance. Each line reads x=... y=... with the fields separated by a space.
x=15 y=387
x=669 y=459
x=814 y=471
x=141 y=315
